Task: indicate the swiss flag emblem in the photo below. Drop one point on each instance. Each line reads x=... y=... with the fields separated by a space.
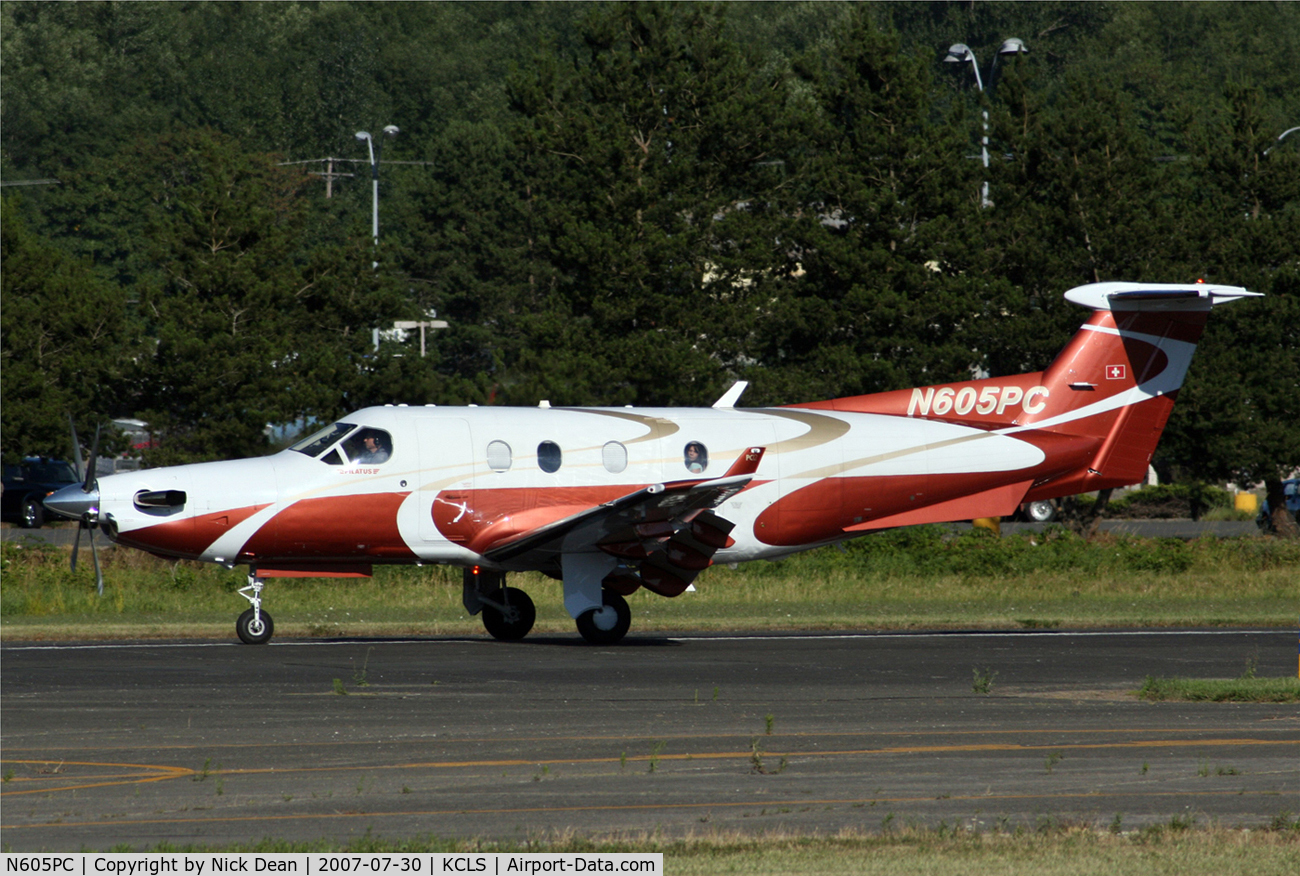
x=1116 y=372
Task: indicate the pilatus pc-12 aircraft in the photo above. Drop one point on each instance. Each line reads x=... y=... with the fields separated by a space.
x=613 y=499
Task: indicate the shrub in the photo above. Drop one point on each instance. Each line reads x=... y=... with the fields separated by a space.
x=1164 y=501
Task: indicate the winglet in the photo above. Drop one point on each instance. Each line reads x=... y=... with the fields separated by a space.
x=746 y=463
x=731 y=396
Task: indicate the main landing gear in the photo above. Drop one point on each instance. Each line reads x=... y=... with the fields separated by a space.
x=606 y=625
x=508 y=613
x=254 y=626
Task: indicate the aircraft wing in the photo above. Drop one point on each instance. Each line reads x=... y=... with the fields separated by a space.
x=665 y=533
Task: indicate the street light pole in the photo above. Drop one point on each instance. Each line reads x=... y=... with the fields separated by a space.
x=960 y=53
x=1281 y=137
x=391 y=131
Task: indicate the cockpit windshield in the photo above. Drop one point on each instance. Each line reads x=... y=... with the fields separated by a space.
x=316 y=444
x=351 y=445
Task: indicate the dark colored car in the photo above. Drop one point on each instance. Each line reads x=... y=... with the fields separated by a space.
x=27 y=483
x=1291 y=493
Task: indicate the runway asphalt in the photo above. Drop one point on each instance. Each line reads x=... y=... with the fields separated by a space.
x=134 y=744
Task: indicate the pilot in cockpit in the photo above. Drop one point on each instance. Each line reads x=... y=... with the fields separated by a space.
x=376 y=450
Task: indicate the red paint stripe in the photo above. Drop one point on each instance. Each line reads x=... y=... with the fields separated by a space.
x=189 y=537
x=334 y=528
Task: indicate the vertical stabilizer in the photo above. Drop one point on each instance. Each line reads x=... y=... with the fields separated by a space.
x=1115 y=382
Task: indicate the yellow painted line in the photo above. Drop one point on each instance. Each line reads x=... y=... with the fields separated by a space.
x=480 y=740
x=797 y=805
x=172 y=772
x=166 y=772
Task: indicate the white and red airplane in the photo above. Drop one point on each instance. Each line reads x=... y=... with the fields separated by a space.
x=613 y=499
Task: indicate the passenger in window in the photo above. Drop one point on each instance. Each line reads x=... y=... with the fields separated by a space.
x=376 y=449
x=697 y=458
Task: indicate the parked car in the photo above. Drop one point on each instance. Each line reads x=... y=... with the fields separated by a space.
x=1291 y=493
x=27 y=483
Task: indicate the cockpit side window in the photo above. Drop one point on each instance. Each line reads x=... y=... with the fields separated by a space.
x=316 y=444
x=369 y=447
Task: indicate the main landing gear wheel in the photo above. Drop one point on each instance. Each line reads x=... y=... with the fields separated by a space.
x=1041 y=511
x=254 y=628
x=515 y=617
x=607 y=625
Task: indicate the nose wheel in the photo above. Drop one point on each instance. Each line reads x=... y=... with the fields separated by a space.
x=254 y=626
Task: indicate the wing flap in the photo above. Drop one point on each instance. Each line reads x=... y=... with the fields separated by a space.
x=646 y=516
x=665 y=534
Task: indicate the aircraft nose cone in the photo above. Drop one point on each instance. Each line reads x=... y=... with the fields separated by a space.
x=73 y=502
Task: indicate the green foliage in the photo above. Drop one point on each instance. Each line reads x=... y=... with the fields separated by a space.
x=649 y=157
x=67 y=342
x=634 y=203
x=982 y=679
x=1170 y=500
x=921 y=551
x=1238 y=690
x=899 y=579
x=880 y=286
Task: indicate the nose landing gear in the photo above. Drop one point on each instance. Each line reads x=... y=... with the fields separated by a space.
x=254 y=626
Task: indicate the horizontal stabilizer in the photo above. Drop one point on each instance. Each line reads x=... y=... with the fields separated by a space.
x=1155 y=296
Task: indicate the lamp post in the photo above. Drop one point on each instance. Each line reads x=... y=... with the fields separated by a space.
x=960 y=53
x=391 y=131
x=1281 y=137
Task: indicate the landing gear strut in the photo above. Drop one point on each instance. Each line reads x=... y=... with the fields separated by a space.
x=254 y=626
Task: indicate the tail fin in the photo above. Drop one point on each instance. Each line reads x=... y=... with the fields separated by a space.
x=1116 y=381
x=1099 y=408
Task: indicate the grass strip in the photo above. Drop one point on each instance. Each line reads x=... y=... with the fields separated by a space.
x=1230 y=690
x=920 y=577
x=1175 y=847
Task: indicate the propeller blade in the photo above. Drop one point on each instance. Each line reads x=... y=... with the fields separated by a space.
x=76 y=544
x=99 y=574
x=91 y=482
x=76 y=445
x=89 y=517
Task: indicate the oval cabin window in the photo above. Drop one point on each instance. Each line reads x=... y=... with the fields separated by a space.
x=549 y=456
x=695 y=456
x=498 y=456
x=614 y=455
